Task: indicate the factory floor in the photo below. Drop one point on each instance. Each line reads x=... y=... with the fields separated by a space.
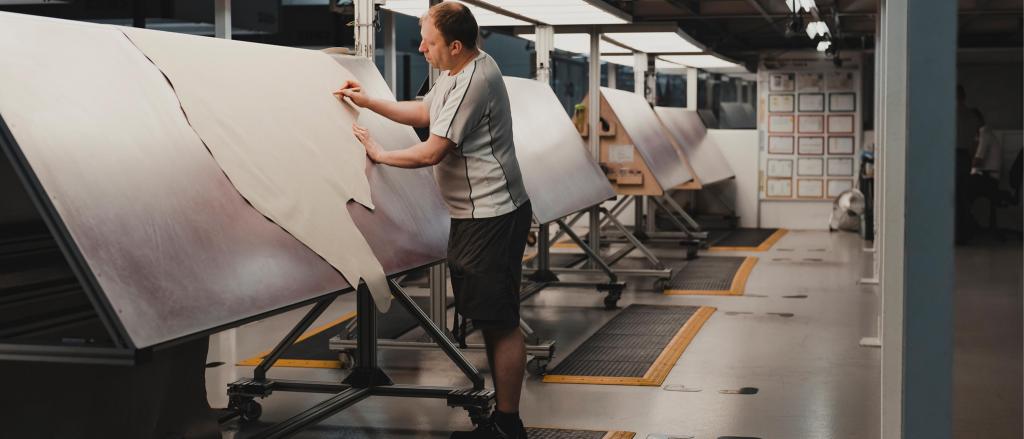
x=802 y=354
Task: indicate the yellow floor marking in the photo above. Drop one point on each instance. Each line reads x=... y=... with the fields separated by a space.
x=320 y=364
x=529 y=257
x=565 y=243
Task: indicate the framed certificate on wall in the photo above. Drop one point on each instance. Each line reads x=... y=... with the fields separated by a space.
x=811 y=146
x=840 y=166
x=780 y=144
x=842 y=102
x=842 y=123
x=780 y=123
x=809 y=82
x=811 y=124
x=840 y=81
x=780 y=103
x=781 y=82
x=836 y=187
x=810 y=188
x=814 y=102
x=840 y=145
x=779 y=188
x=807 y=167
x=779 y=168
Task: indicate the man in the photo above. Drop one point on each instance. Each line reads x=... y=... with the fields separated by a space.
x=985 y=169
x=471 y=147
x=967 y=125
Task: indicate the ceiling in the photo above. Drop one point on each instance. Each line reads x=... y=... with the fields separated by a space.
x=742 y=29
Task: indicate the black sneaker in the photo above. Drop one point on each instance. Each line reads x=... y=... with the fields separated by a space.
x=489 y=430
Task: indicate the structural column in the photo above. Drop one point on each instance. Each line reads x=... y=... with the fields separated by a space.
x=223 y=345
x=544 y=44
x=691 y=88
x=594 y=138
x=222 y=19
x=390 y=52
x=364 y=34
x=919 y=41
x=639 y=72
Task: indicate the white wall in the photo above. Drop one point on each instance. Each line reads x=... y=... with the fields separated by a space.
x=740 y=150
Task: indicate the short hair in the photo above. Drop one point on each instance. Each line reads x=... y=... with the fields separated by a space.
x=981 y=118
x=456 y=23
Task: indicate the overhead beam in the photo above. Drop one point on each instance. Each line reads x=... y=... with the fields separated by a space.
x=967 y=22
x=690 y=6
x=764 y=13
x=748 y=16
x=618 y=43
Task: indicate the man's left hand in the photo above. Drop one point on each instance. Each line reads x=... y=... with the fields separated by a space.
x=373 y=150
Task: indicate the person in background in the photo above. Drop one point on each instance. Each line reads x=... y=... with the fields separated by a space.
x=986 y=165
x=967 y=125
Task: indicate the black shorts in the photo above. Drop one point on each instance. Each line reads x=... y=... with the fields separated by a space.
x=485 y=257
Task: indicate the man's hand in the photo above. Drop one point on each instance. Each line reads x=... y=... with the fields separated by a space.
x=354 y=91
x=373 y=150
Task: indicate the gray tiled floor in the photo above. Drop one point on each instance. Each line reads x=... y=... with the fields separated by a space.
x=814 y=380
x=987 y=374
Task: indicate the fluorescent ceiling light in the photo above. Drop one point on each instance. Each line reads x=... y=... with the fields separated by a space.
x=545 y=11
x=580 y=43
x=700 y=61
x=816 y=28
x=824 y=45
x=655 y=42
x=484 y=18
x=798 y=5
x=627 y=60
x=564 y=11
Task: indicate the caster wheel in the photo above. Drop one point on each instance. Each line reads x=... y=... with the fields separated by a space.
x=248 y=409
x=537 y=366
x=691 y=251
x=611 y=301
x=531 y=239
x=660 y=285
x=251 y=411
x=347 y=360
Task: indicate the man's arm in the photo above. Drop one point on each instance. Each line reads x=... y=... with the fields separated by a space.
x=412 y=113
x=407 y=113
x=420 y=155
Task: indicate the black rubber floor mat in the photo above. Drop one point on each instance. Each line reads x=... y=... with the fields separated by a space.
x=555 y=433
x=345 y=432
x=312 y=349
x=712 y=275
x=744 y=239
x=638 y=347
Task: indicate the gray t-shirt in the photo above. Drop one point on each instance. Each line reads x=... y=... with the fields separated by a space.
x=480 y=178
